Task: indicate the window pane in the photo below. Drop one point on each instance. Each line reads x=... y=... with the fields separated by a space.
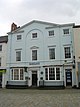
x=67 y=52
x=57 y=73
x=51 y=74
x=46 y=73
x=34 y=54
x=52 y=53
x=16 y=74
x=21 y=74
x=18 y=56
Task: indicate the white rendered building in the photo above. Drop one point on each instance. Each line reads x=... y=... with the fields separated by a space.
x=3 y=58
x=41 y=54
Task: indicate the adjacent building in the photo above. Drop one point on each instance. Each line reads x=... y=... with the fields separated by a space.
x=41 y=54
x=3 y=58
x=77 y=53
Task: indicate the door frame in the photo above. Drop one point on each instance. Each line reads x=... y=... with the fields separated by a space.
x=35 y=72
x=66 y=70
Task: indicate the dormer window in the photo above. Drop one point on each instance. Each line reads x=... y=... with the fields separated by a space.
x=34 y=35
x=51 y=33
x=19 y=37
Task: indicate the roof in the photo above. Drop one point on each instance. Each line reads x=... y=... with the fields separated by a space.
x=42 y=22
x=3 y=39
x=77 y=26
x=34 y=21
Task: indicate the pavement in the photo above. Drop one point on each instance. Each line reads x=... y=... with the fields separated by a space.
x=39 y=98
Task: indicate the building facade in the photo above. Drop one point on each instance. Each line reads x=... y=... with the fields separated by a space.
x=41 y=54
x=77 y=52
x=3 y=59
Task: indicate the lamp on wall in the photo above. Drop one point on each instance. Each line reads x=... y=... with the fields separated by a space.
x=41 y=72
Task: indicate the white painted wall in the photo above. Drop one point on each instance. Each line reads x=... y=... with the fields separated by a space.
x=43 y=42
x=3 y=55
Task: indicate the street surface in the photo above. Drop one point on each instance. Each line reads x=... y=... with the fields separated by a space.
x=39 y=98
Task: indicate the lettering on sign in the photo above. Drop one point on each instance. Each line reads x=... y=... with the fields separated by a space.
x=34 y=63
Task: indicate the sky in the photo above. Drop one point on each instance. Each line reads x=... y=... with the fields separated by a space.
x=23 y=11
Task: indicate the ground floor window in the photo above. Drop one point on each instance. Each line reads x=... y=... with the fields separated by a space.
x=18 y=74
x=52 y=73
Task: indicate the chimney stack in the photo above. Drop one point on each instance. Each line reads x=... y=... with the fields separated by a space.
x=13 y=27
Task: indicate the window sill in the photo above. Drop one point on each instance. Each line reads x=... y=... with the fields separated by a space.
x=34 y=38
x=66 y=35
x=51 y=59
x=51 y=36
x=52 y=80
x=18 y=80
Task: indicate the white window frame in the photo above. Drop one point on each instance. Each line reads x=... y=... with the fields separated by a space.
x=32 y=54
x=54 y=53
x=12 y=74
x=19 y=37
x=67 y=52
x=55 y=74
x=51 y=33
x=18 y=56
x=66 y=31
x=34 y=35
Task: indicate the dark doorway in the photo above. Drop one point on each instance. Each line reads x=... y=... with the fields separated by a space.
x=34 y=78
x=68 y=77
x=0 y=79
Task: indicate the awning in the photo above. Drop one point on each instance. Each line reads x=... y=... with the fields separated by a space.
x=2 y=70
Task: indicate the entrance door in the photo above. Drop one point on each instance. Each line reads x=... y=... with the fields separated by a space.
x=34 y=78
x=68 y=77
x=0 y=79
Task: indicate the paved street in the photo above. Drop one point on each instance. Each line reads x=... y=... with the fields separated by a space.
x=39 y=98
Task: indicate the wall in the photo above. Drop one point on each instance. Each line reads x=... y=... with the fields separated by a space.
x=77 y=53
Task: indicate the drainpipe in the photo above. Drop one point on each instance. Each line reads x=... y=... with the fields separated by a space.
x=73 y=58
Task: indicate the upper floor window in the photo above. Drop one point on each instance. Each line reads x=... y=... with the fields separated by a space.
x=51 y=33
x=34 y=35
x=52 y=53
x=34 y=54
x=65 y=31
x=0 y=47
x=18 y=55
x=67 y=52
x=19 y=37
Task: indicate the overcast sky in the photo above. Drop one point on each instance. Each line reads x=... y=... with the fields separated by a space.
x=24 y=11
